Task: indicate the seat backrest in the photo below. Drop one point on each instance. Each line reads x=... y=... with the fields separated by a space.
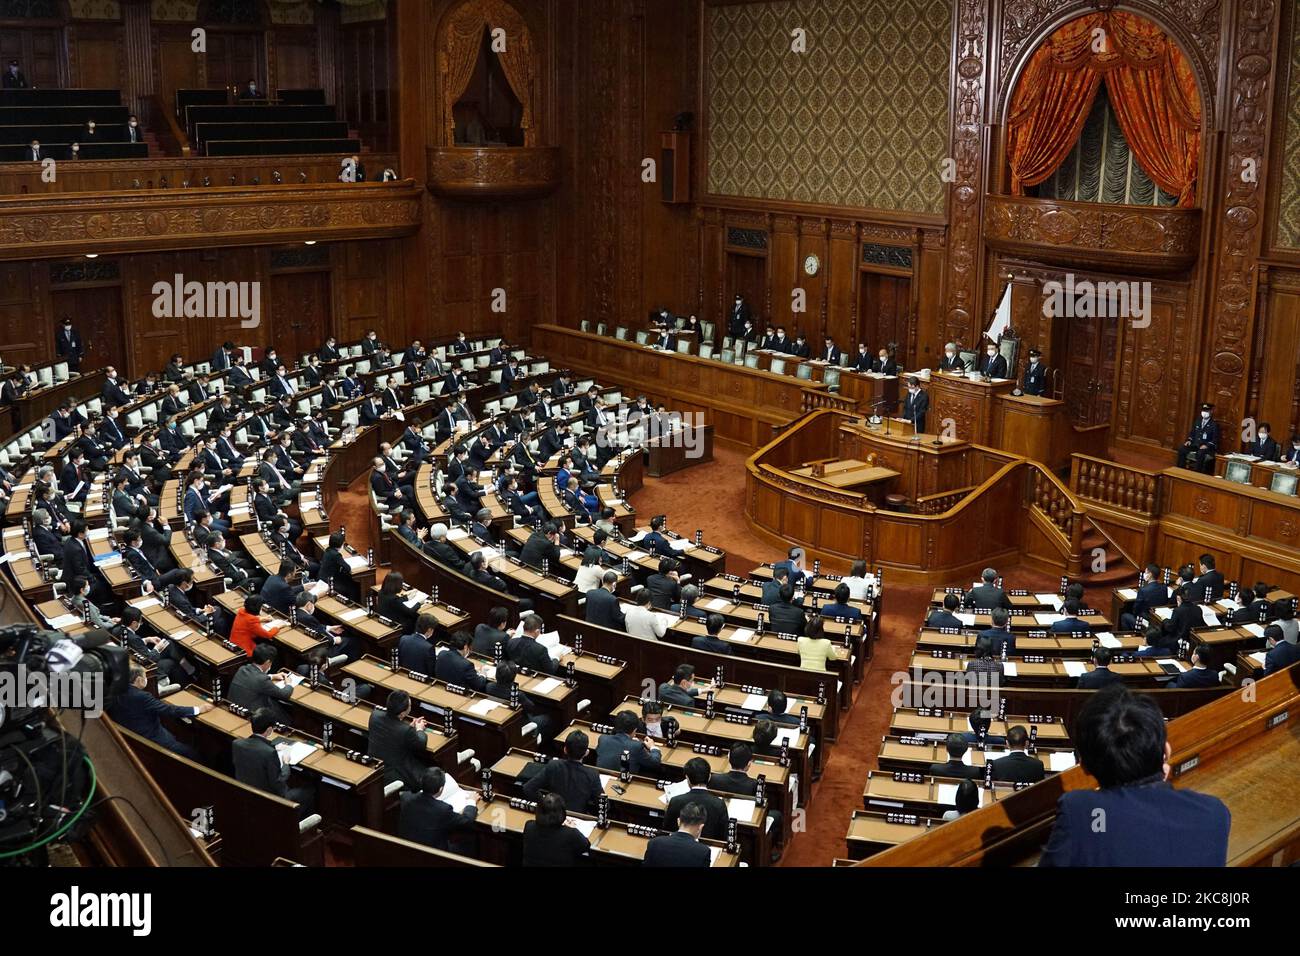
x=832 y=378
x=706 y=350
x=621 y=333
x=684 y=346
x=641 y=338
x=804 y=371
x=584 y=325
x=751 y=361
x=777 y=366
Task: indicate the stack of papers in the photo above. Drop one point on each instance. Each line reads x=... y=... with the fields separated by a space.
x=63 y=620
x=1010 y=669
x=1075 y=668
x=717 y=604
x=741 y=808
x=455 y=534
x=1060 y=760
x=1211 y=619
x=681 y=544
x=294 y=753
x=1107 y=639
x=357 y=561
x=483 y=707
x=547 y=685
x=675 y=789
x=754 y=702
x=742 y=634
x=352 y=615
x=585 y=827
x=967 y=619
x=1053 y=599
x=1047 y=620
x=1256 y=629
x=455 y=795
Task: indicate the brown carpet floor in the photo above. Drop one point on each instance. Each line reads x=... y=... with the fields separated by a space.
x=710 y=496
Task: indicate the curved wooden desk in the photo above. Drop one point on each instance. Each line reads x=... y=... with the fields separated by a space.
x=971 y=505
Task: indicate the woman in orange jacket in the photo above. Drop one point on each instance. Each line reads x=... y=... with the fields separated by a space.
x=248 y=627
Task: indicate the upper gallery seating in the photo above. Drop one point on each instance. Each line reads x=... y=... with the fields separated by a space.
x=58 y=118
x=297 y=121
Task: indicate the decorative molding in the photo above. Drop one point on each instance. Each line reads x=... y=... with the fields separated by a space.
x=1241 y=215
x=459 y=172
x=1161 y=239
x=877 y=254
x=170 y=219
x=743 y=238
x=962 y=280
x=85 y=270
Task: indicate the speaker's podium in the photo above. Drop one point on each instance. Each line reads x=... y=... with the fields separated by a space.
x=969 y=404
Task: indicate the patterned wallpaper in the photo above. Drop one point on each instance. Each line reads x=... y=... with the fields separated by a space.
x=860 y=119
x=94 y=9
x=187 y=10
x=1288 y=218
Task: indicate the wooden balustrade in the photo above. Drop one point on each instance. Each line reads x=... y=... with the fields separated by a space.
x=943 y=501
x=1120 y=486
x=815 y=398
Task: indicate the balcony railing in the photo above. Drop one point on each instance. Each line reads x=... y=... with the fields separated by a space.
x=1144 y=239
x=493 y=173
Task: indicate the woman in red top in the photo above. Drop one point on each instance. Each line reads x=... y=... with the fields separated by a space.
x=248 y=626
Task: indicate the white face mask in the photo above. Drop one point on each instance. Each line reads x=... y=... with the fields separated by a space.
x=1205 y=416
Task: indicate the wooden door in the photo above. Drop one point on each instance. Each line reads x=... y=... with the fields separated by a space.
x=1089 y=373
x=747 y=275
x=884 y=308
x=233 y=58
x=39 y=52
x=300 y=312
x=96 y=314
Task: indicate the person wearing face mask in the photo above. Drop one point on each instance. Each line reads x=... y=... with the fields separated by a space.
x=862 y=361
x=14 y=78
x=994 y=364
x=132 y=129
x=34 y=151
x=68 y=345
x=1292 y=454
x=1264 y=446
x=951 y=361
x=916 y=404
x=1202 y=442
x=800 y=348
x=112 y=392
x=884 y=363
x=739 y=318
x=1035 y=382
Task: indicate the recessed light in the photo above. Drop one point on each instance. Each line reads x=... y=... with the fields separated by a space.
x=309 y=242
x=92 y=255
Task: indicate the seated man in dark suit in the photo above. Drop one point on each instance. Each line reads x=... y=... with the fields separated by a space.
x=1120 y=739
x=1017 y=766
x=772 y=588
x=526 y=651
x=1151 y=593
x=603 y=606
x=569 y=777
x=999 y=634
x=955 y=767
x=987 y=594
x=777 y=709
x=253 y=689
x=1208 y=587
x=682 y=848
x=644 y=759
x=492 y=632
x=710 y=641
x=399 y=744
x=716 y=815
x=1280 y=651
x=140 y=712
x=1256 y=607
x=454 y=666
x=945 y=616
x=738 y=781
x=1071 y=623
x=840 y=607
x=1101 y=675
x=681 y=690
x=788 y=617
x=427 y=819
x=1203 y=672
x=415 y=651
x=257 y=764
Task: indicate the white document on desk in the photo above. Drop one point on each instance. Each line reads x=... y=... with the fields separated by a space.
x=754 y=702
x=1256 y=629
x=742 y=634
x=1107 y=639
x=1053 y=599
x=741 y=808
x=1060 y=760
x=717 y=604
x=1211 y=619
x=1075 y=668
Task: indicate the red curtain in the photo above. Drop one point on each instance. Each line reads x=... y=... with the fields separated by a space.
x=1151 y=87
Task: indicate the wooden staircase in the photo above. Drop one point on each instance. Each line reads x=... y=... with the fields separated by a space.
x=1118 y=569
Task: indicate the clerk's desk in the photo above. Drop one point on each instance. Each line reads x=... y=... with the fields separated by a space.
x=926 y=464
x=1261 y=472
x=971 y=404
x=1034 y=426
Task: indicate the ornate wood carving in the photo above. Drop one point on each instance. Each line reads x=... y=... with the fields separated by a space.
x=459 y=172
x=1241 y=212
x=172 y=219
x=1126 y=238
x=963 y=279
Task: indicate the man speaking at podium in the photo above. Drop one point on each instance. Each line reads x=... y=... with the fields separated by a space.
x=915 y=404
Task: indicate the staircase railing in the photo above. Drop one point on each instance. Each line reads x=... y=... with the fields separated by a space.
x=1051 y=499
x=1125 y=487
